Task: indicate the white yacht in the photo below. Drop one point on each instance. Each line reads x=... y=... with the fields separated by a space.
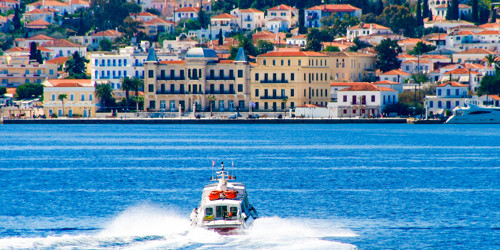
x=224 y=206
x=474 y=114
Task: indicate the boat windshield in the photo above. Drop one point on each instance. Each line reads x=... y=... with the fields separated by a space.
x=209 y=211
x=233 y=211
x=220 y=211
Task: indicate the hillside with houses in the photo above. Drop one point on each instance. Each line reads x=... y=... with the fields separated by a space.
x=169 y=58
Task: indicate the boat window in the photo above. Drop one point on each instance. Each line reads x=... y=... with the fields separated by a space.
x=220 y=211
x=479 y=112
x=209 y=211
x=233 y=211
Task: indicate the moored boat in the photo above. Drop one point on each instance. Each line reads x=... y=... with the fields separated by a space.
x=473 y=114
x=224 y=206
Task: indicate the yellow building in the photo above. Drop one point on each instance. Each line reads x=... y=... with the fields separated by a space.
x=79 y=102
x=281 y=80
x=351 y=66
x=193 y=83
x=18 y=70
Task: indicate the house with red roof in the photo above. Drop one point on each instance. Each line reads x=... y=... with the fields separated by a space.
x=449 y=95
x=285 y=12
x=224 y=22
x=186 y=13
x=489 y=100
x=277 y=24
x=477 y=38
x=92 y=41
x=36 y=26
x=158 y=25
x=473 y=55
x=18 y=69
x=362 y=100
x=38 y=39
x=415 y=66
x=395 y=75
x=365 y=29
x=80 y=98
x=63 y=47
x=249 y=19
x=464 y=10
x=41 y=14
x=314 y=14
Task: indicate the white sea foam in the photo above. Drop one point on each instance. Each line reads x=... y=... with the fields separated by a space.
x=148 y=227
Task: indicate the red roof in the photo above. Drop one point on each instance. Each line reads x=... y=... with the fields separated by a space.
x=108 y=33
x=224 y=16
x=460 y=6
x=366 y=87
x=478 y=51
x=58 y=60
x=173 y=62
x=461 y=71
x=494 y=97
x=368 y=25
x=70 y=82
x=465 y=33
x=61 y=43
x=39 y=22
x=417 y=61
x=188 y=9
x=386 y=82
x=396 y=72
x=145 y=13
x=282 y=7
x=309 y=106
x=453 y=84
x=489 y=32
x=345 y=83
x=292 y=53
x=251 y=11
x=158 y=20
x=41 y=37
x=335 y=8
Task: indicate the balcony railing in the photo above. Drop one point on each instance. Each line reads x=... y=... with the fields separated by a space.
x=229 y=92
x=217 y=78
x=168 y=92
x=169 y=78
x=280 y=97
x=274 y=81
x=35 y=75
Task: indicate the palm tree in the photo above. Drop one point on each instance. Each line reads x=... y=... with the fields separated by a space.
x=61 y=97
x=211 y=98
x=103 y=91
x=284 y=101
x=138 y=83
x=490 y=59
x=127 y=85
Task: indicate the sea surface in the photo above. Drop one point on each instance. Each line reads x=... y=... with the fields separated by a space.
x=315 y=186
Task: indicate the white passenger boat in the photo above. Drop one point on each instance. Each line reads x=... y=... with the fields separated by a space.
x=474 y=114
x=224 y=206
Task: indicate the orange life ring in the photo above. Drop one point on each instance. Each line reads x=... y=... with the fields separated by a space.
x=231 y=194
x=214 y=195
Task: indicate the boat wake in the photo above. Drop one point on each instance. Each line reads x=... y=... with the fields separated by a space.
x=147 y=226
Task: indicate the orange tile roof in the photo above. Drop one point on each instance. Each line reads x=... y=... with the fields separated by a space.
x=406 y=56
x=489 y=25
x=41 y=37
x=435 y=57
x=396 y=72
x=465 y=33
x=386 y=82
x=282 y=7
x=70 y=82
x=108 y=33
x=158 y=20
x=416 y=61
x=145 y=13
x=224 y=16
x=478 y=51
x=48 y=3
x=368 y=25
x=61 y=43
x=291 y=53
x=188 y=9
x=226 y=61
x=309 y=106
x=39 y=22
x=366 y=87
x=251 y=11
x=489 y=32
x=16 y=49
x=335 y=8
x=413 y=40
x=460 y=6
x=346 y=83
x=476 y=66
x=11 y=91
x=58 y=60
x=453 y=84
x=494 y=97
x=461 y=71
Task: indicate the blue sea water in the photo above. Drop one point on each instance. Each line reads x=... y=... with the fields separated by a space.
x=345 y=186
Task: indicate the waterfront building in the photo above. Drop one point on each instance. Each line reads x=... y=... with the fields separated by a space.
x=249 y=19
x=362 y=100
x=351 y=66
x=80 y=98
x=448 y=96
x=299 y=77
x=314 y=14
x=112 y=67
x=17 y=70
x=197 y=82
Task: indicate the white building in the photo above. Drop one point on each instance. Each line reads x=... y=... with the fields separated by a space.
x=395 y=75
x=298 y=40
x=62 y=47
x=186 y=13
x=276 y=25
x=362 y=100
x=464 y=10
x=478 y=39
x=283 y=11
x=472 y=55
x=448 y=96
x=225 y=22
x=365 y=29
x=249 y=19
x=129 y=62
x=314 y=14
x=417 y=66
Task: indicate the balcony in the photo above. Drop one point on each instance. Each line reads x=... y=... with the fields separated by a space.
x=277 y=97
x=215 y=78
x=138 y=64
x=229 y=92
x=274 y=81
x=172 y=92
x=169 y=78
x=35 y=75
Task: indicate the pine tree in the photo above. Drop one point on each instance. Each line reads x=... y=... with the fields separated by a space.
x=33 y=50
x=475 y=11
x=449 y=13
x=430 y=15
x=425 y=9
x=38 y=57
x=419 y=14
x=454 y=9
x=17 y=19
x=380 y=7
x=493 y=18
x=221 y=37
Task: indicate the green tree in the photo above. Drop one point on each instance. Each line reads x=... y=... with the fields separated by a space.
x=3 y=91
x=75 y=66
x=489 y=85
x=455 y=9
x=490 y=59
x=475 y=11
x=420 y=78
x=425 y=9
x=153 y=11
x=105 y=45
x=314 y=39
x=399 y=19
x=419 y=14
x=331 y=49
x=493 y=18
x=221 y=37
x=245 y=42
x=358 y=44
x=131 y=27
x=203 y=18
x=127 y=85
x=264 y=46
x=104 y=93
x=336 y=26
x=388 y=50
x=35 y=53
x=421 y=48
x=17 y=19
x=29 y=90
x=61 y=98
x=380 y=7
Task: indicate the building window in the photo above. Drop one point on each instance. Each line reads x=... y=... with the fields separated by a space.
x=439 y=92
x=292 y=92
x=256 y=92
x=292 y=77
x=300 y=62
x=53 y=97
x=151 y=88
x=240 y=87
x=264 y=62
x=431 y=104
x=344 y=98
x=240 y=73
x=373 y=98
x=83 y=97
x=90 y=97
x=151 y=73
x=440 y=105
x=256 y=76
